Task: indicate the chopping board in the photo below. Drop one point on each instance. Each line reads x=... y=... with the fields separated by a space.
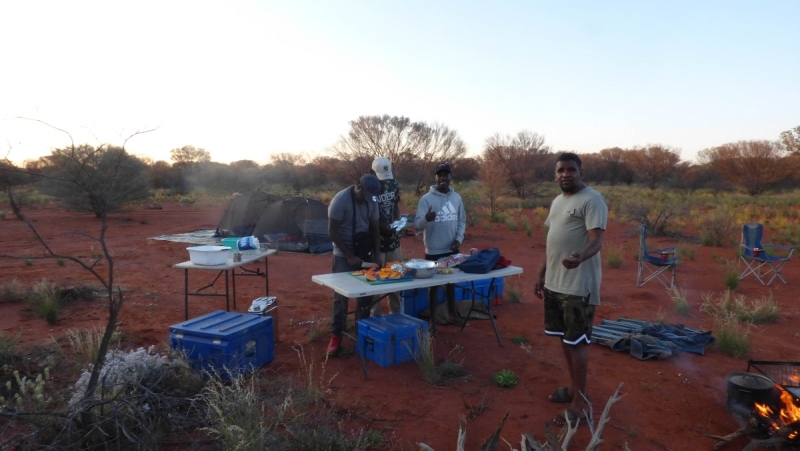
x=383 y=281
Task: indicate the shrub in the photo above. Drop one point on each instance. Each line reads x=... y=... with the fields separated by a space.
x=614 y=257
x=505 y=379
x=732 y=339
x=730 y=274
x=512 y=295
x=12 y=291
x=685 y=252
x=236 y=414
x=85 y=344
x=46 y=301
x=763 y=310
x=519 y=339
x=679 y=301
x=511 y=223
x=717 y=228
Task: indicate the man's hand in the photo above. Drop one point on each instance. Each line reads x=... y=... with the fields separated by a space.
x=573 y=261
x=354 y=261
x=456 y=244
x=430 y=215
x=538 y=289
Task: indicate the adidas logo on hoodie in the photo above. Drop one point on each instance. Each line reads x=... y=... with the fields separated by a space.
x=447 y=213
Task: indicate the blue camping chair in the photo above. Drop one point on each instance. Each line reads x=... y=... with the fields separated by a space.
x=653 y=263
x=757 y=260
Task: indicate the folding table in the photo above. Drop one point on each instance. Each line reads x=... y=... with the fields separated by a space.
x=229 y=266
x=347 y=285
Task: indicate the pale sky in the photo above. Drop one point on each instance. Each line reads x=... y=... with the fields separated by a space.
x=245 y=79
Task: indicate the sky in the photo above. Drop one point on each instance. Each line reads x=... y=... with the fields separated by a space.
x=245 y=79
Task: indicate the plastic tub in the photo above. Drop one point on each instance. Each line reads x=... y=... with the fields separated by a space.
x=209 y=255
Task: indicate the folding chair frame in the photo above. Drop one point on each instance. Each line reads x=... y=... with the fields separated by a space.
x=757 y=260
x=654 y=262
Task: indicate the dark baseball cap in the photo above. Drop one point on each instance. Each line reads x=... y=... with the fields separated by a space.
x=442 y=167
x=371 y=186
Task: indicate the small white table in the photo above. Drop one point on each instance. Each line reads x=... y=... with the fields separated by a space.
x=347 y=285
x=229 y=266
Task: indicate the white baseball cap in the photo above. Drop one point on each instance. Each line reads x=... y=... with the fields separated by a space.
x=383 y=168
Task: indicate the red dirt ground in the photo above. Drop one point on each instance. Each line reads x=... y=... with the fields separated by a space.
x=671 y=404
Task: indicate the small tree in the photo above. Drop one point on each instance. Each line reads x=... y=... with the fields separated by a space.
x=654 y=164
x=400 y=140
x=107 y=198
x=493 y=180
x=790 y=140
x=523 y=157
x=98 y=180
x=752 y=165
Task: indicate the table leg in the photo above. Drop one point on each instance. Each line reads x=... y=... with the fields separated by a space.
x=489 y=302
x=186 y=294
x=233 y=280
x=227 y=295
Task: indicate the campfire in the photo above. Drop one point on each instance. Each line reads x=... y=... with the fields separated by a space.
x=784 y=419
x=773 y=415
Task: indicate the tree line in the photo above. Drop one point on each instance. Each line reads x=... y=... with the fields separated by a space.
x=508 y=165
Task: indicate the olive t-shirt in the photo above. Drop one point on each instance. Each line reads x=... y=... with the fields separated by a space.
x=570 y=219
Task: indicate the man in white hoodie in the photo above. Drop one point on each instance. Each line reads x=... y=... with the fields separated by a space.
x=441 y=215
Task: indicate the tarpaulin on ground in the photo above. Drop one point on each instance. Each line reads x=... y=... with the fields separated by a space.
x=644 y=340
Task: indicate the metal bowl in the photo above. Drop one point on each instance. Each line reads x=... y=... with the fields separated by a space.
x=421 y=269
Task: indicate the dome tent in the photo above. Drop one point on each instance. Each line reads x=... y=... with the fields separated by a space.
x=293 y=223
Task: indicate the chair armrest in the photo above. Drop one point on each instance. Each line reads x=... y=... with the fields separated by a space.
x=775 y=246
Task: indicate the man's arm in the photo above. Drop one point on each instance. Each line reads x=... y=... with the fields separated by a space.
x=592 y=247
x=538 y=287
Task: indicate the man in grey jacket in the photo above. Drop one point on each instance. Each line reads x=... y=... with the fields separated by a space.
x=441 y=215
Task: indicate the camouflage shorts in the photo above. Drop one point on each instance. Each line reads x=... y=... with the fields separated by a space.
x=568 y=316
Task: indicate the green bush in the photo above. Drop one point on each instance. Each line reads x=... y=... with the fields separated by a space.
x=505 y=379
x=680 y=302
x=731 y=338
x=614 y=256
x=717 y=228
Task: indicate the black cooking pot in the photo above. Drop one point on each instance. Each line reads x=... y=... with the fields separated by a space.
x=746 y=389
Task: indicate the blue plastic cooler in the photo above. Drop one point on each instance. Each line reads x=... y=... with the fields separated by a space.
x=228 y=343
x=390 y=339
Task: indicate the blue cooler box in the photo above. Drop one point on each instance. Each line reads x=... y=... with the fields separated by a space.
x=464 y=291
x=228 y=343
x=416 y=301
x=390 y=339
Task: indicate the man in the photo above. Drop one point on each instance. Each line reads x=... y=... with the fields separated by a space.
x=389 y=211
x=569 y=278
x=352 y=210
x=441 y=215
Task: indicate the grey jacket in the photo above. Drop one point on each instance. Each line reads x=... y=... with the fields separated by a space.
x=450 y=222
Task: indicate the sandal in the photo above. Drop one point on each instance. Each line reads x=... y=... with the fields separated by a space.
x=561 y=419
x=560 y=396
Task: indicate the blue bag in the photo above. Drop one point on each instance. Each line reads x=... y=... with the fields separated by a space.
x=481 y=262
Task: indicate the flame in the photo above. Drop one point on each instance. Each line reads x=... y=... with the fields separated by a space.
x=789 y=413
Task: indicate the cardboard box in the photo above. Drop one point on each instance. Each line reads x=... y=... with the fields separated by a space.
x=227 y=343
x=390 y=339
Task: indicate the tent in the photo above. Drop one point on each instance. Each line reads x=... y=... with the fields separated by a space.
x=293 y=223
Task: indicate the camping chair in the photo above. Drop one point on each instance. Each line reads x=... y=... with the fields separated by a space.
x=654 y=262
x=757 y=261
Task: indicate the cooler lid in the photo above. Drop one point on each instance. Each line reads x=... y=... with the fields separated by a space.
x=221 y=324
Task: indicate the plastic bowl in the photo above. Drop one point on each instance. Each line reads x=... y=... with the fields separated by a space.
x=209 y=255
x=421 y=269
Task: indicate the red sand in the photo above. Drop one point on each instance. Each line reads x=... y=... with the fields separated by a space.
x=672 y=404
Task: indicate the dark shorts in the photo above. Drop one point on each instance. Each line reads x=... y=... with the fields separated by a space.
x=568 y=316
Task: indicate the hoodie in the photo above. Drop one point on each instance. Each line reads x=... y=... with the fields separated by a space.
x=450 y=222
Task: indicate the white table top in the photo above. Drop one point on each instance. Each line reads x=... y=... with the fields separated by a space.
x=347 y=285
x=247 y=257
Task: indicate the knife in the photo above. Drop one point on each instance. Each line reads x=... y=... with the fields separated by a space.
x=369 y=265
